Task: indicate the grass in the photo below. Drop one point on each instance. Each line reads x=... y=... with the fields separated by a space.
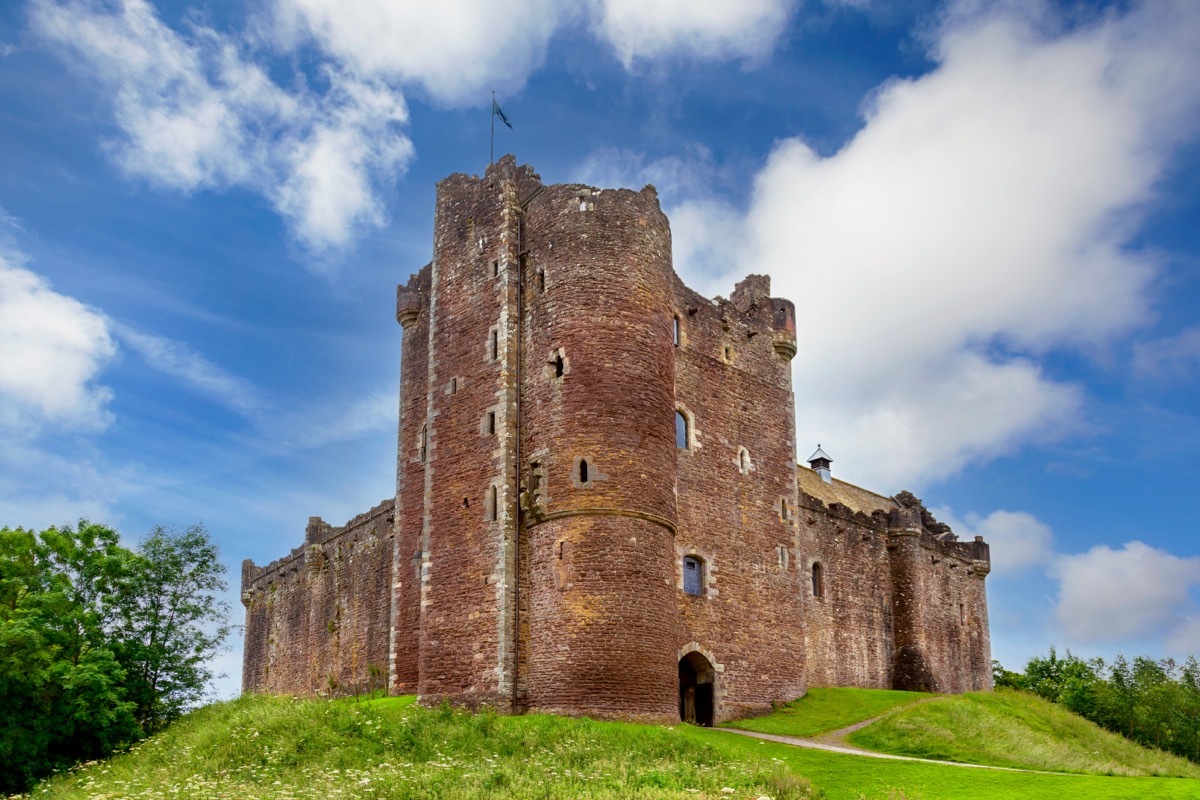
x=264 y=747
x=824 y=710
x=1014 y=729
x=846 y=777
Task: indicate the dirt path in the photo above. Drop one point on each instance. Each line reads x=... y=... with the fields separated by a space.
x=835 y=742
x=817 y=744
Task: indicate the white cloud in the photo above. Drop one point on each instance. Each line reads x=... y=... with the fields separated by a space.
x=1185 y=639
x=712 y=29
x=180 y=361
x=981 y=218
x=1019 y=541
x=52 y=348
x=1106 y=595
x=455 y=50
x=194 y=112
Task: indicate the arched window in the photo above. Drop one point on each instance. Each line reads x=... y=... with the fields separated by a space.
x=818 y=580
x=693 y=575
x=681 y=430
x=583 y=470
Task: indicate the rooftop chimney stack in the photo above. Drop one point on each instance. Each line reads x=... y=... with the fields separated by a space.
x=820 y=461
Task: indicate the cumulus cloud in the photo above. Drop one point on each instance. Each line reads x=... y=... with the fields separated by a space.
x=180 y=361
x=195 y=112
x=52 y=349
x=980 y=218
x=1106 y=595
x=1019 y=540
x=637 y=29
x=454 y=50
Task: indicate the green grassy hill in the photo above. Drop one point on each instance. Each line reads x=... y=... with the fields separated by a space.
x=261 y=747
x=1014 y=729
x=824 y=710
x=264 y=747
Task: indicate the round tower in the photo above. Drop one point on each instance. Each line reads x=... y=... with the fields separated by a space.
x=598 y=455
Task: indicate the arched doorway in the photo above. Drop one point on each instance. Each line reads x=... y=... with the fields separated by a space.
x=696 y=677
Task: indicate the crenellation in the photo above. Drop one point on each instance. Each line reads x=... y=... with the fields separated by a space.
x=598 y=508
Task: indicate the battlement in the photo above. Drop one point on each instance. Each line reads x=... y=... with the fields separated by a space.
x=319 y=533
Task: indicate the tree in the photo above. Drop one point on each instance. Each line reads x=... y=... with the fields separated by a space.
x=172 y=622
x=62 y=686
x=100 y=645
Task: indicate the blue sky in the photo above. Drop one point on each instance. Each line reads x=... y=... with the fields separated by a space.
x=986 y=214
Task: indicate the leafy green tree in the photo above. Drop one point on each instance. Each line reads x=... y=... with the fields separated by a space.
x=1006 y=679
x=99 y=644
x=171 y=622
x=62 y=685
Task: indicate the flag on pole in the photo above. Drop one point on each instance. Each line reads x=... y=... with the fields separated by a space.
x=500 y=113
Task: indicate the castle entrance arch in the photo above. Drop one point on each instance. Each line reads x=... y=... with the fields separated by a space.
x=696 y=678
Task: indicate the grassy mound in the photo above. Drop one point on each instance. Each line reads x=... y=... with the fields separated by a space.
x=1014 y=729
x=265 y=747
x=824 y=710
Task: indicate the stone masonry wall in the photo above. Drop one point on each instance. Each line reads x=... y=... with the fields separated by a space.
x=848 y=627
x=317 y=620
x=597 y=412
x=736 y=484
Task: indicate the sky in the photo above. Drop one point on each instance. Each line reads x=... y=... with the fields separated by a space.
x=985 y=212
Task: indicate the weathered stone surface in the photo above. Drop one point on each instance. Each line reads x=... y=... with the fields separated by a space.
x=534 y=556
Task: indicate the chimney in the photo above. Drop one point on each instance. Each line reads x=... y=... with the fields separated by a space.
x=820 y=461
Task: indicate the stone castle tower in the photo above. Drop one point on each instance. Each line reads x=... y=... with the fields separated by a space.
x=598 y=505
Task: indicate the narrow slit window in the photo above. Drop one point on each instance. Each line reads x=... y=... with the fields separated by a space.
x=728 y=353
x=541 y=281
x=495 y=269
x=818 y=580
x=693 y=576
x=535 y=480
x=491 y=423
x=423 y=444
x=494 y=504
x=494 y=346
x=676 y=332
x=962 y=614
x=454 y=386
x=681 y=430
x=559 y=366
x=783 y=510
x=583 y=470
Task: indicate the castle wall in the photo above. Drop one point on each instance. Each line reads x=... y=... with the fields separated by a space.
x=941 y=584
x=468 y=535
x=848 y=627
x=318 y=619
x=736 y=485
x=598 y=442
x=412 y=312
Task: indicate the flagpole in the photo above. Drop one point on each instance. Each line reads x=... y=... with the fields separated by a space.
x=492 y=143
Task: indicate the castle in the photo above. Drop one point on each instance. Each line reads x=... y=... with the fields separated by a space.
x=598 y=506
